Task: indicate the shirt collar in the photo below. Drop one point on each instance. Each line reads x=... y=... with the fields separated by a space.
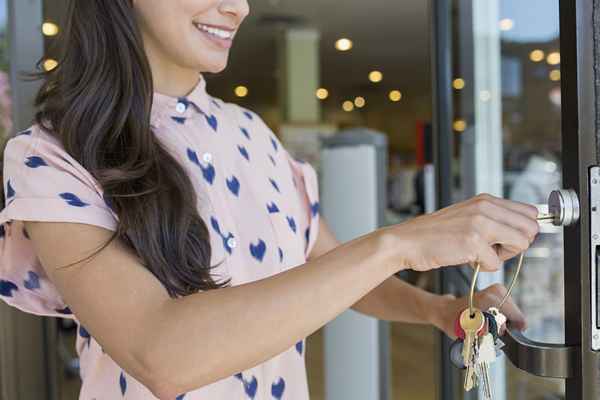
x=194 y=103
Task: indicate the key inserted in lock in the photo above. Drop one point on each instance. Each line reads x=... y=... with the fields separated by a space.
x=563 y=206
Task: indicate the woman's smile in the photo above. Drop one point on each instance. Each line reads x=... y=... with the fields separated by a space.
x=221 y=36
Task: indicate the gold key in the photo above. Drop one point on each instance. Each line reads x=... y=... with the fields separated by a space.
x=472 y=322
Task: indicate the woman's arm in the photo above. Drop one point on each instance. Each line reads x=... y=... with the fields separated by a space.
x=176 y=345
x=206 y=336
x=396 y=300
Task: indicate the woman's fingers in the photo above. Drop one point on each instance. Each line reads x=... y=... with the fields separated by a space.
x=507 y=216
x=510 y=240
x=527 y=210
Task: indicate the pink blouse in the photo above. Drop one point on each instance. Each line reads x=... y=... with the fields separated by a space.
x=260 y=204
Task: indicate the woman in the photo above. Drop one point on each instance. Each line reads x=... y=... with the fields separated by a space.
x=168 y=223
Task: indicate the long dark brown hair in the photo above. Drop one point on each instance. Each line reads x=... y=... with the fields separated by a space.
x=97 y=102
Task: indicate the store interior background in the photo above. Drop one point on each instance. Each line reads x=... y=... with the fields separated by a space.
x=383 y=82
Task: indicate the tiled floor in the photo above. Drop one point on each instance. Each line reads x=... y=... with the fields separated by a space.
x=413 y=353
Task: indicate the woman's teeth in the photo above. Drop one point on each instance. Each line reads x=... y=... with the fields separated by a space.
x=215 y=32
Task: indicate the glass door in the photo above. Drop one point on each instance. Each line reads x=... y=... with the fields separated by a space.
x=515 y=110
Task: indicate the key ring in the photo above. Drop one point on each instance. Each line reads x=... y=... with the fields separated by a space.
x=508 y=292
x=540 y=218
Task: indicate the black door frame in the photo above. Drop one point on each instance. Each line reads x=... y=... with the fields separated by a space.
x=580 y=70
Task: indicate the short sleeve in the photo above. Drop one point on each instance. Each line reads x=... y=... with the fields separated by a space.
x=307 y=185
x=41 y=183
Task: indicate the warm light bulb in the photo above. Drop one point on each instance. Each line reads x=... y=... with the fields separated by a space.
x=460 y=125
x=360 y=102
x=50 y=64
x=348 y=106
x=241 y=91
x=375 y=76
x=553 y=58
x=344 y=44
x=395 y=95
x=458 y=84
x=50 y=29
x=555 y=75
x=537 y=55
x=506 y=24
x=322 y=93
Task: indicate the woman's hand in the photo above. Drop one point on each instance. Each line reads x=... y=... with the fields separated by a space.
x=448 y=308
x=484 y=229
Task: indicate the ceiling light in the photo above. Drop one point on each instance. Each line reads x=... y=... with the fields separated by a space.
x=460 y=125
x=322 y=93
x=344 y=44
x=241 y=91
x=537 y=55
x=506 y=24
x=348 y=106
x=395 y=96
x=375 y=76
x=555 y=75
x=553 y=58
x=49 y=29
x=360 y=102
x=50 y=64
x=458 y=84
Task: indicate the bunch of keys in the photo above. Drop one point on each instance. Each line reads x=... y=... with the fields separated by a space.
x=478 y=344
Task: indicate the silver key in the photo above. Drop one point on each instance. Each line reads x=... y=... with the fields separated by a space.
x=486 y=356
x=500 y=318
x=471 y=325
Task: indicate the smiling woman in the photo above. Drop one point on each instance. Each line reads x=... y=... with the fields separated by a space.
x=192 y=251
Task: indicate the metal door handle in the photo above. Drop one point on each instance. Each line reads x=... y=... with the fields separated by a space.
x=542 y=359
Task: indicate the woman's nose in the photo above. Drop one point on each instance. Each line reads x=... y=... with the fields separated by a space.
x=236 y=8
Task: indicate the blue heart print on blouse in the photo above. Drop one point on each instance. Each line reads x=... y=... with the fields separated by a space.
x=272 y=160
x=7 y=288
x=64 y=311
x=292 y=223
x=179 y=120
x=314 y=207
x=207 y=172
x=258 y=251
x=212 y=121
x=250 y=386
x=272 y=208
x=277 y=388
x=307 y=238
x=300 y=347
x=244 y=152
x=274 y=143
x=73 y=200
x=180 y=397
x=280 y=255
x=123 y=383
x=35 y=162
x=85 y=335
x=245 y=132
x=225 y=238
x=248 y=115
x=275 y=185
x=233 y=185
x=32 y=282
x=10 y=192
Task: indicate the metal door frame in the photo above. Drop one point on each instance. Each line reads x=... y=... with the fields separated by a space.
x=580 y=70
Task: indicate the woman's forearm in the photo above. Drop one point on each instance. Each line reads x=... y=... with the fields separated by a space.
x=396 y=300
x=212 y=335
